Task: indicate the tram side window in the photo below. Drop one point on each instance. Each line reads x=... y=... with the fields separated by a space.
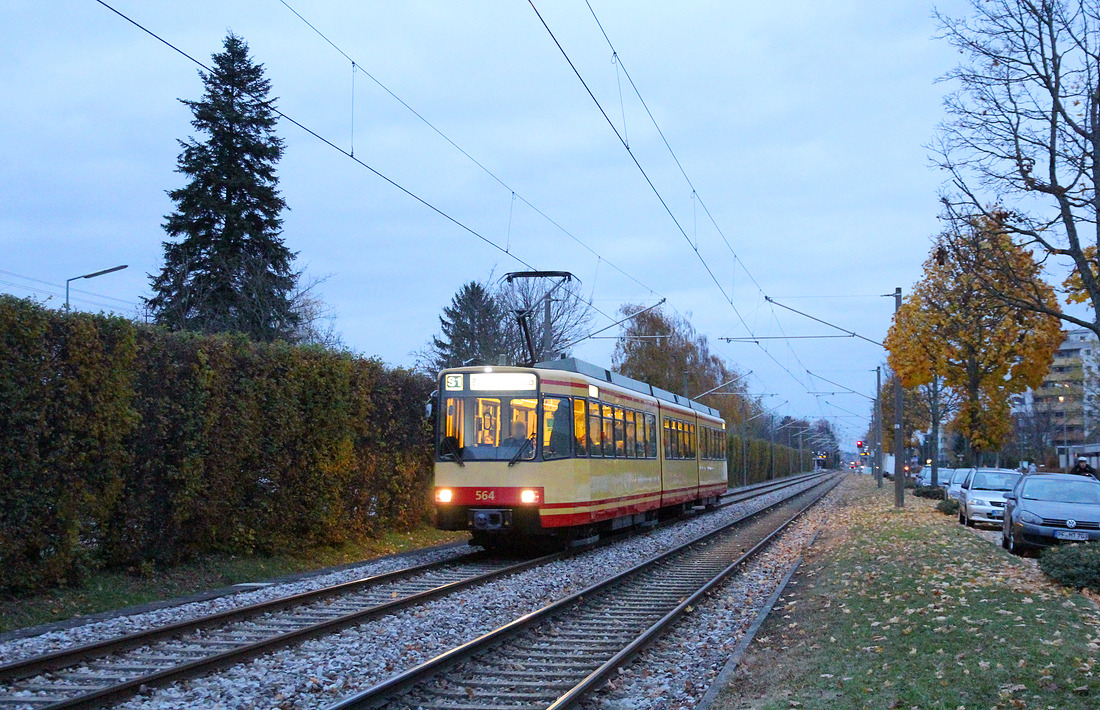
x=579 y=428
x=620 y=434
x=651 y=436
x=667 y=439
x=691 y=441
x=705 y=442
x=608 y=431
x=557 y=435
x=677 y=440
x=631 y=435
x=595 y=429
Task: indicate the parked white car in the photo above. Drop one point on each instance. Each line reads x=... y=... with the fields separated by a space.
x=982 y=495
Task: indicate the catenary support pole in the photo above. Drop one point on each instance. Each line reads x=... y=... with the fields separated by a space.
x=876 y=460
x=899 y=434
x=744 y=442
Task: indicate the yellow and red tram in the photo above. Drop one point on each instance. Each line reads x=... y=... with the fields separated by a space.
x=566 y=449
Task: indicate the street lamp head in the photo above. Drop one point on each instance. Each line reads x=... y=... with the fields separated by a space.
x=90 y=276
x=105 y=271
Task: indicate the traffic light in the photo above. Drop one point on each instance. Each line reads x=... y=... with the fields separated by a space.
x=859 y=443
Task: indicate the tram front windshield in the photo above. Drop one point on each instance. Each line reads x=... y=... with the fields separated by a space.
x=488 y=425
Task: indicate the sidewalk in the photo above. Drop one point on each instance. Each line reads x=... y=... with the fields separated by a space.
x=908 y=609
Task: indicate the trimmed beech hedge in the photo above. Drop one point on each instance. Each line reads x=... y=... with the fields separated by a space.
x=759 y=460
x=122 y=444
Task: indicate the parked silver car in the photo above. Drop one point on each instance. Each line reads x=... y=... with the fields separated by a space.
x=943 y=476
x=982 y=495
x=955 y=484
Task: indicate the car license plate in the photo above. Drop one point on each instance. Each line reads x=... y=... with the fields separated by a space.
x=1071 y=535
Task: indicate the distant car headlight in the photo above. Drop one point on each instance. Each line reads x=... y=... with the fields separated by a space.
x=444 y=495
x=1026 y=517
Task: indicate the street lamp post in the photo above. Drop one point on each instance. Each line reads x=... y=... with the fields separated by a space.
x=89 y=276
x=1065 y=431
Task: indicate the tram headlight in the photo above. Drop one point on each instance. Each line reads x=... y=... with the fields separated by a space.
x=529 y=496
x=444 y=495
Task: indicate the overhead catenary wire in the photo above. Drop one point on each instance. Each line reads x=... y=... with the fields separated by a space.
x=664 y=139
x=653 y=187
x=695 y=197
x=349 y=153
x=621 y=65
x=645 y=175
x=329 y=143
x=515 y=195
x=51 y=289
x=623 y=140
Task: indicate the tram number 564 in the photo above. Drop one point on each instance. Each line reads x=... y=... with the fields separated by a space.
x=485 y=495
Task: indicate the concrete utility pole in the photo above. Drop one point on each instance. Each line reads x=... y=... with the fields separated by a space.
x=800 y=463
x=744 y=442
x=899 y=442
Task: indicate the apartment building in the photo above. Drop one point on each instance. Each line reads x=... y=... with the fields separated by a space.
x=1068 y=395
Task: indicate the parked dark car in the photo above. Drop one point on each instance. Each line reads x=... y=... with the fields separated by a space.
x=1049 y=508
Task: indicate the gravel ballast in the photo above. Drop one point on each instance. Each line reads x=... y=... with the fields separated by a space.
x=317 y=673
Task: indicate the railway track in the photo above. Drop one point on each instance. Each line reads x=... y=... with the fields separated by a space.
x=106 y=672
x=556 y=656
x=101 y=673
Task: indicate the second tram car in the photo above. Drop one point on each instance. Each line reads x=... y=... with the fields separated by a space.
x=568 y=450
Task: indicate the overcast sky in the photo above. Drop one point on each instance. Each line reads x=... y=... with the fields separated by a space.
x=801 y=126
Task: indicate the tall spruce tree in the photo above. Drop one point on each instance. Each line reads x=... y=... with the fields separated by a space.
x=473 y=330
x=231 y=271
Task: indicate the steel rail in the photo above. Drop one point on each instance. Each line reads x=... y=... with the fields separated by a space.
x=247 y=651
x=63 y=658
x=744 y=493
x=596 y=678
x=66 y=658
x=394 y=686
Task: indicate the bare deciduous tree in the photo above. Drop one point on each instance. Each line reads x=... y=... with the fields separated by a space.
x=570 y=315
x=316 y=319
x=1022 y=141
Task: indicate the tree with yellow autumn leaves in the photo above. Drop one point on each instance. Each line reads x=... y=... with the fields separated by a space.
x=984 y=350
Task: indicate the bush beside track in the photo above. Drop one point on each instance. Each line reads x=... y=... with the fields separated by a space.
x=122 y=444
x=126 y=446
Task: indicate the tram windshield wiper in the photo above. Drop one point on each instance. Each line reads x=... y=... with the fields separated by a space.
x=522 y=447
x=455 y=451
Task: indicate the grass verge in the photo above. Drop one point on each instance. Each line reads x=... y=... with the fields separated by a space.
x=908 y=609
x=105 y=591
